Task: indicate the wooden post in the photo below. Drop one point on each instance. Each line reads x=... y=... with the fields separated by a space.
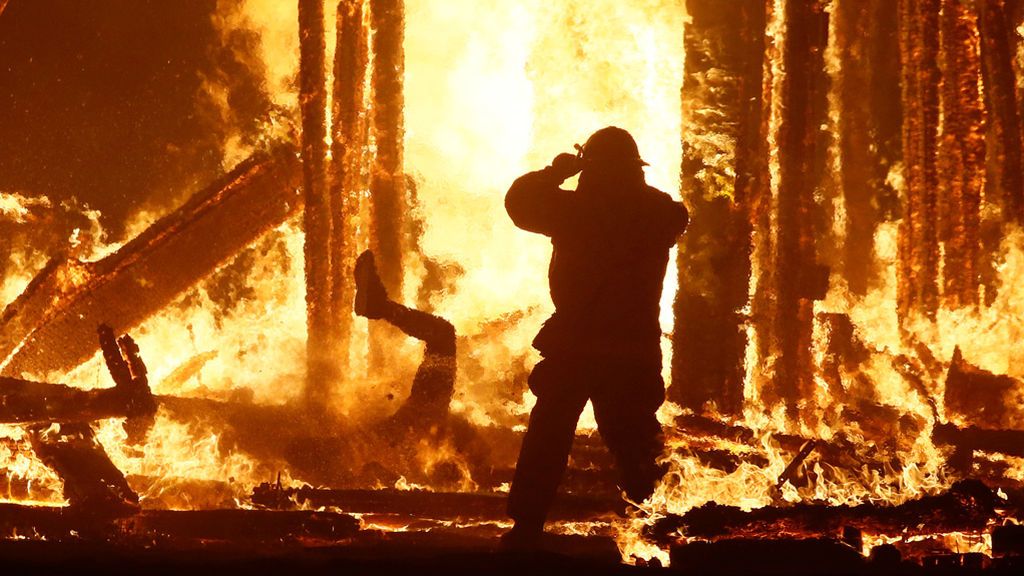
x=317 y=215
x=347 y=158
x=917 y=286
x=723 y=75
x=387 y=180
x=804 y=110
x=961 y=161
x=1004 y=182
x=865 y=43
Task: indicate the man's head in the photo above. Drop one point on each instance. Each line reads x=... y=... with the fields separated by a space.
x=611 y=157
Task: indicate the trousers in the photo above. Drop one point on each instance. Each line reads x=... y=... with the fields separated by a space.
x=625 y=395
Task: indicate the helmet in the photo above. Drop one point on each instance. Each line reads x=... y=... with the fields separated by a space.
x=611 y=145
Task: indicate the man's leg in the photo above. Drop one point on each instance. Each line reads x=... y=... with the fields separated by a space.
x=546 y=445
x=435 y=378
x=626 y=400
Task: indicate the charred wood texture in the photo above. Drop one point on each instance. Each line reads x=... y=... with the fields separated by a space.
x=91 y=481
x=981 y=398
x=387 y=179
x=1004 y=182
x=918 y=236
x=347 y=181
x=865 y=39
x=967 y=505
x=51 y=326
x=320 y=322
x=721 y=98
x=149 y=526
x=425 y=504
x=795 y=281
x=961 y=153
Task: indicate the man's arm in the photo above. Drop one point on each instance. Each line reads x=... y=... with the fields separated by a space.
x=536 y=203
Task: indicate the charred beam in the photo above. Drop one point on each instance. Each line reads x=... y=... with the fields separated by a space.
x=51 y=326
x=22 y=401
x=720 y=97
x=863 y=31
x=423 y=504
x=1004 y=182
x=91 y=481
x=918 y=239
x=317 y=216
x=801 y=163
x=387 y=180
x=965 y=506
x=961 y=153
x=199 y=526
x=982 y=398
x=348 y=151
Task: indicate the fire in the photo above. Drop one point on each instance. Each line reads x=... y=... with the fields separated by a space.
x=508 y=87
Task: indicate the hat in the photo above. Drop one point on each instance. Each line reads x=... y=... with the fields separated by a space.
x=611 y=144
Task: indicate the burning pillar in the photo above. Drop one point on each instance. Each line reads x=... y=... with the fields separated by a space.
x=961 y=153
x=347 y=156
x=1004 y=184
x=317 y=216
x=721 y=103
x=865 y=39
x=918 y=240
x=387 y=180
x=801 y=164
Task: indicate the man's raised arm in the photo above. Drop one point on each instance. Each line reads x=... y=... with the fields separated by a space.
x=536 y=203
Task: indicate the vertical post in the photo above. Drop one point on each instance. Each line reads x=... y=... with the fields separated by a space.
x=961 y=161
x=387 y=181
x=317 y=214
x=804 y=110
x=1004 y=182
x=723 y=74
x=865 y=42
x=348 y=147
x=917 y=285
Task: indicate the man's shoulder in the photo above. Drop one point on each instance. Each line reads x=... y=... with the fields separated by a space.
x=655 y=195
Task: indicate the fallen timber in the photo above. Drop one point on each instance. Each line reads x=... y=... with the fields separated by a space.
x=49 y=326
x=967 y=505
x=444 y=506
x=60 y=433
x=68 y=524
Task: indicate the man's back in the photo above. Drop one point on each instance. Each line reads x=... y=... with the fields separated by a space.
x=610 y=252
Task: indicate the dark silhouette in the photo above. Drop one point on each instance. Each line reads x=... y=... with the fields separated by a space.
x=610 y=243
x=435 y=378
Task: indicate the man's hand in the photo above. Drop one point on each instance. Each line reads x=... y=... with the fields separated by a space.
x=566 y=165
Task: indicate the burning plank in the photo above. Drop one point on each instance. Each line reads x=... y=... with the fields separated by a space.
x=983 y=398
x=320 y=353
x=49 y=326
x=967 y=505
x=22 y=401
x=426 y=504
x=918 y=240
x=722 y=177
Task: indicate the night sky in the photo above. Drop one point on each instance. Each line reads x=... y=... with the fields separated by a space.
x=102 y=102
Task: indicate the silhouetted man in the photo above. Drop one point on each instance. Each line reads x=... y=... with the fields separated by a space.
x=610 y=242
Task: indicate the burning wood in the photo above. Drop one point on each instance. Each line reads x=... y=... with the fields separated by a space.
x=425 y=504
x=387 y=179
x=91 y=481
x=982 y=398
x=348 y=157
x=967 y=505
x=50 y=326
x=22 y=401
x=321 y=368
x=722 y=80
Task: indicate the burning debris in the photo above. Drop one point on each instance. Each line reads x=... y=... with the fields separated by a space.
x=841 y=327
